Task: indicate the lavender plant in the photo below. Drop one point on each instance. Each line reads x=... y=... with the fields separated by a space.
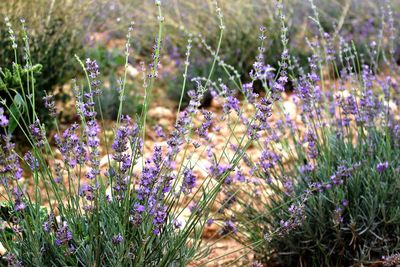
x=93 y=200
x=320 y=188
x=314 y=189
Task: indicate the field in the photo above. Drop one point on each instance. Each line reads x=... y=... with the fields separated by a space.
x=200 y=133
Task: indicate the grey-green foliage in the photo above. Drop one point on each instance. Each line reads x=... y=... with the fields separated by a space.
x=363 y=231
x=56 y=30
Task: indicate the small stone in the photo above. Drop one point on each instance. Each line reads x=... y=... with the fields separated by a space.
x=132 y=71
x=160 y=113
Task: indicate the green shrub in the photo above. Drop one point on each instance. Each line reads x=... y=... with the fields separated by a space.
x=346 y=211
x=320 y=187
x=55 y=35
x=81 y=210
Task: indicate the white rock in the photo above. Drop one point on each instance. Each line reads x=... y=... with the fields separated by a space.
x=2 y=249
x=132 y=71
x=161 y=112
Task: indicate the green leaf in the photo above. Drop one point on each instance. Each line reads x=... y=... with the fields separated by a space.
x=16 y=110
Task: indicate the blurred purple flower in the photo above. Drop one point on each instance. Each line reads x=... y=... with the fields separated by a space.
x=3 y=118
x=381 y=167
x=63 y=235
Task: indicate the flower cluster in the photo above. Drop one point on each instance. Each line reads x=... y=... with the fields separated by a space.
x=71 y=147
x=3 y=118
x=10 y=167
x=153 y=186
x=93 y=71
x=38 y=134
x=50 y=104
x=63 y=235
x=32 y=162
x=19 y=199
x=127 y=136
x=296 y=217
x=228 y=228
x=189 y=180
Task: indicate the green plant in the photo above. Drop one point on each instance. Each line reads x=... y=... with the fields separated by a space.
x=55 y=35
x=324 y=183
x=77 y=212
x=344 y=211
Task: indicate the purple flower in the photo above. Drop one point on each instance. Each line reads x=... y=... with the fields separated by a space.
x=49 y=223
x=202 y=131
x=152 y=188
x=87 y=191
x=3 y=118
x=63 y=235
x=311 y=139
x=263 y=112
x=249 y=92
x=159 y=131
x=369 y=107
x=71 y=148
x=117 y=239
x=50 y=104
x=296 y=217
x=150 y=175
x=381 y=167
x=231 y=103
x=37 y=133
x=268 y=159
x=9 y=160
x=3 y=121
x=239 y=176
x=12 y=260
x=279 y=86
x=177 y=223
x=32 y=162
x=218 y=171
x=392 y=260
x=228 y=228
x=337 y=215
x=19 y=199
x=159 y=217
x=139 y=208
x=120 y=146
x=93 y=143
x=136 y=213
x=189 y=180
x=93 y=71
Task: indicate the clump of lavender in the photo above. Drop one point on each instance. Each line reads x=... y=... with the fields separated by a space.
x=308 y=189
x=88 y=197
x=327 y=171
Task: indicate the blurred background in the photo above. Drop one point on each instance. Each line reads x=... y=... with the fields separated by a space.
x=59 y=29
